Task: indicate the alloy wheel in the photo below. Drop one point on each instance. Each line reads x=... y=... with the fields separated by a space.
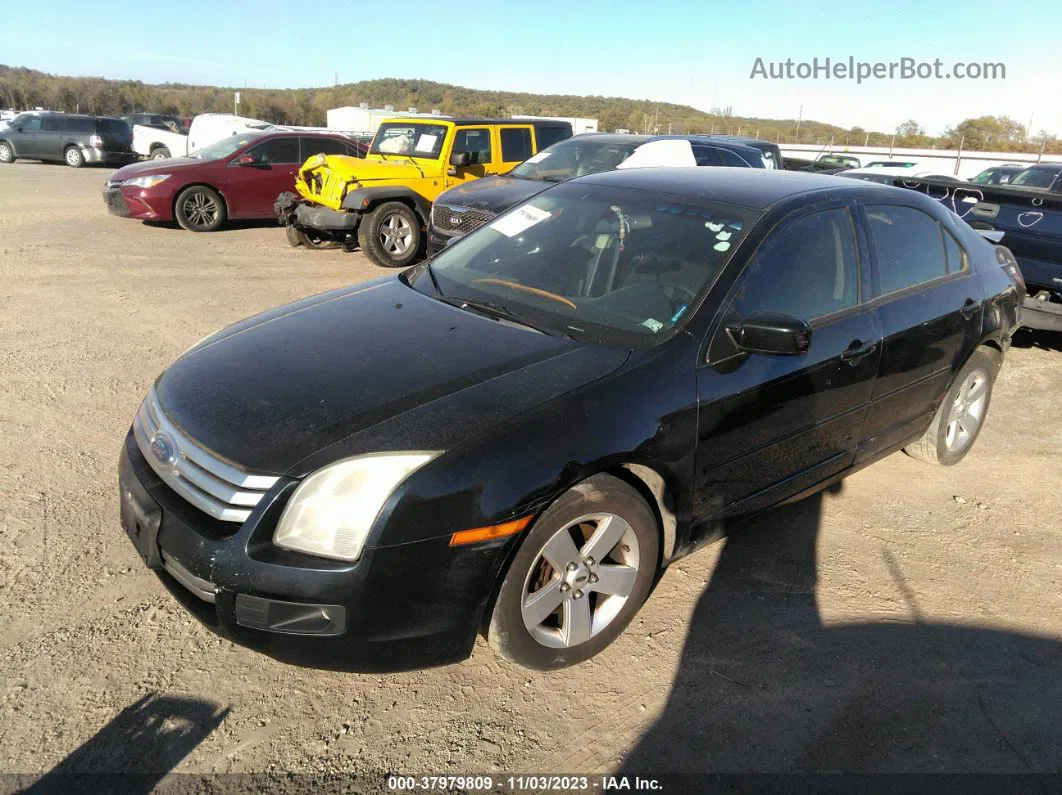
x=580 y=580
x=396 y=235
x=200 y=209
x=5 y=153
x=73 y=157
x=967 y=411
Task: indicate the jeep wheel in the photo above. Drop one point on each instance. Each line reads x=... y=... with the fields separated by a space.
x=7 y=154
x=297 y=237
x=73 y=157
x=199 y=209
x=390 y=235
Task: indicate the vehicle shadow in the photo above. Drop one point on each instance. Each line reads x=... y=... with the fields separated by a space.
x=228 y=226
x=764 y=687
x=136 y=749
x=1044 y=340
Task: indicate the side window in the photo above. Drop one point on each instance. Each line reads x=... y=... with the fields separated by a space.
x=515 y=145
x=81 y=125
x=908 y=245
x=731 y=159
x=32 y=124
x=276 y=151
x=474 y=141
x=955 y=255
x=547 y=136
x=806 y=268
x=53 y=123
x=707 y=156
x=322 y=146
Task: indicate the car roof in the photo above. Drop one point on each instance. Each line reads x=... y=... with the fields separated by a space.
x=463 y=120
x=755 y=188
x=741 y=139
x=612 y=138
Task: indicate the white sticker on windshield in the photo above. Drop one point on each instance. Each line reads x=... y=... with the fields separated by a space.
x=653 y=324
x=538 y=158
x=723 y=246
x=426 y=142
x=519 y=219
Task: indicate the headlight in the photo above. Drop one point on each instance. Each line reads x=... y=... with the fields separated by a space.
x=331 y=512
x=147 y=182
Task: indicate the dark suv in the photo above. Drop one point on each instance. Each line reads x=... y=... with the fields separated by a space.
x=67 y=137
x=157 y=120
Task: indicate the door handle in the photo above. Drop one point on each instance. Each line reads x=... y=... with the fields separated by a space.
x=858 y=350
x=969 y=308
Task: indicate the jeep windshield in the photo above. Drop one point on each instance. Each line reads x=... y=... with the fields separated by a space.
x=224 y=147
x=575 y=157
x=411 y=139
x=601 y=264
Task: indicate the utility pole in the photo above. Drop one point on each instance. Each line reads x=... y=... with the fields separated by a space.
x=866 y=142
x=958 y=156
x=1028 y=130
x=336 y=83
x=800 y=117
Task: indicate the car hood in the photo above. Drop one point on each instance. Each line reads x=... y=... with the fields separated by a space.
x=303 y=379
x=494 y=194
x=149 y=167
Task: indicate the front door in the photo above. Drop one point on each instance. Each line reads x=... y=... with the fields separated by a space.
x=771 y=426
x=930 y=308
x=477 y=142
x=252 y=187
x=27 y=137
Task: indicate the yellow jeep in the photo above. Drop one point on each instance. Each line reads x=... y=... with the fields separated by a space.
x=382 y=202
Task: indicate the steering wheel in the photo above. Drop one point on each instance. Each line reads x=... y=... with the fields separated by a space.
x=533 y=290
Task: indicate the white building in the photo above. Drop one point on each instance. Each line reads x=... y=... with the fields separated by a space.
x=579 y=125
x=364 y=119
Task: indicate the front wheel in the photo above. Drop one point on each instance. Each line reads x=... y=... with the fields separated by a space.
x=579 y=577
x=73 y=157
x=199 y=209
x=7 y=154
x=390 y=235
x=298 y=238
x=962 y=413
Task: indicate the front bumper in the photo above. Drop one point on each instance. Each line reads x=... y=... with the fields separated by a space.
x=142 y=203
x=326 y=219
x=398 y=608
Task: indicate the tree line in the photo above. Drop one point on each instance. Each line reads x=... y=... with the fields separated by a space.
x=22 y=89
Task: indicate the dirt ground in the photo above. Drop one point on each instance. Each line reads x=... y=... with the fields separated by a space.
x=909 y=621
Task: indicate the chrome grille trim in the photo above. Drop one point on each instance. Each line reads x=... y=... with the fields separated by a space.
x=214 y=486
x=470 y=219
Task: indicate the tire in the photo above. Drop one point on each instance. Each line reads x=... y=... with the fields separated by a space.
x=73 y=157
x=160 y=153
x=390 y=235
x=199 y=209
x=7 y=153
x=602 y=513
x=961 y=415
x=297 y=237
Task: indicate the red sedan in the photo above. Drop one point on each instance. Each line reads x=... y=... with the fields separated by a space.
x=237 y=177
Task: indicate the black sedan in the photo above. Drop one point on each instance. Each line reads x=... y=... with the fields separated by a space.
x=515 y=437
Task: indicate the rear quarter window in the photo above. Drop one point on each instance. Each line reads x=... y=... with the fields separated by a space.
x=80 y=125
x=547 y=136
x=515 y=145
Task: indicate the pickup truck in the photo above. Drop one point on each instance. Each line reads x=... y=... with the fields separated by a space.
x=1027 y=221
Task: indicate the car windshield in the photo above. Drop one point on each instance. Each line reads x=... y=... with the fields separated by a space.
x=224 y=147
x=575 y=157
x=597 y=263
x=412 y=139
x=1036 y=177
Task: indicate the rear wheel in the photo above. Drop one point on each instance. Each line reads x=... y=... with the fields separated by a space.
x=297 y=237
x=579 y=577
x=390 y=235
x=73 y=157
x=160 y=153
x=199 y=209
x=961 y=415
x=7 y=154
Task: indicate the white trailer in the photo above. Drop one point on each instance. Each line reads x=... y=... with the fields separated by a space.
x=364 y=120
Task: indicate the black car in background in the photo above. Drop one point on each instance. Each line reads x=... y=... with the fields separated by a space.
x=67 y=137
x=159 y=121
x=999 y=175
x=516 y=436
x=461 y=209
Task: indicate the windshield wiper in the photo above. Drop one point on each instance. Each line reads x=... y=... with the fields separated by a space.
x=499 y=312
x=434 y=281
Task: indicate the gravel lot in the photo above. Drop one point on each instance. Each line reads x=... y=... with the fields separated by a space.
x=909 y=621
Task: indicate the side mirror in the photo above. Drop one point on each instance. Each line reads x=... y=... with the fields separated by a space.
x=461 y=159
x=246 y=160
x=771 y=333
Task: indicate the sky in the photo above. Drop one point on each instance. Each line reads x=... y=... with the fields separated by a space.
x=695 y=52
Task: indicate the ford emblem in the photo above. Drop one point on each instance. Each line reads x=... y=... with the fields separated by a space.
x=164 y=450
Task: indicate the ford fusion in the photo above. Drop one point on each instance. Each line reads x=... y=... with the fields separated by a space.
x=515 y=437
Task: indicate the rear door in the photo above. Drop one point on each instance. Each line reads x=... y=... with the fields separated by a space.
x=515 y=145
x=930 y=307
x=771 y=426
x=251 y=189
x=50 y=138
